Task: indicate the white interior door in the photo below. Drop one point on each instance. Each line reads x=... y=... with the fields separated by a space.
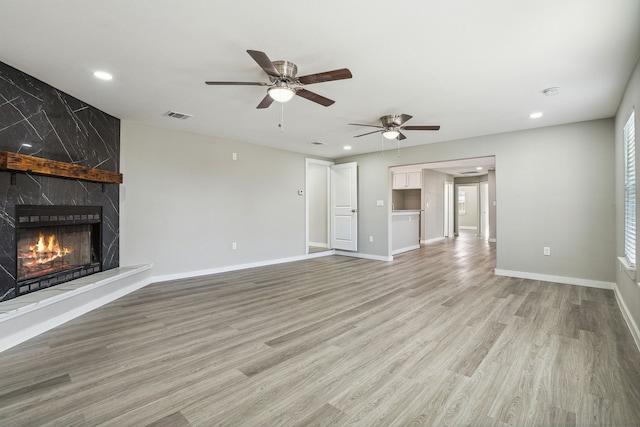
x=344 y=206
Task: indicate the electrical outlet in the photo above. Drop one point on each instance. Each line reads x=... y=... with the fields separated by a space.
x=234 y=156
x=546 y=251
x=234 y=246
x=371 y=239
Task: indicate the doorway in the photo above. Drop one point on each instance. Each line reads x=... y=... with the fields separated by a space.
x=467 y=207
x=331 y=206
x=317 y=189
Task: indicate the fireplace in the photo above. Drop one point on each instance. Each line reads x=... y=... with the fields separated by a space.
x=56 y=244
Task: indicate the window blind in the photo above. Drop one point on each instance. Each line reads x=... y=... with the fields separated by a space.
x=630 y=190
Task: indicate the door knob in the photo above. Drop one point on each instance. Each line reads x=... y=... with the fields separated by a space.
x=353 y=211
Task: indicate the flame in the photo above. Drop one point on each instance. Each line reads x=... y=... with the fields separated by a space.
x=42 y=253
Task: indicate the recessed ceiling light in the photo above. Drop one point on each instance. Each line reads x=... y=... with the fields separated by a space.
x=535 y=115
x=551 y=91
x=347 y=147
x=102 y=75
x=479 y=168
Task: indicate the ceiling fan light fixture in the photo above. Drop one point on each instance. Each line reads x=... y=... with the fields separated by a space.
x=281 y=93
x=390 y=134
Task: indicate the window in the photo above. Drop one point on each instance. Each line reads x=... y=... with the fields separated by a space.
x=462 y=205
x=630 y=190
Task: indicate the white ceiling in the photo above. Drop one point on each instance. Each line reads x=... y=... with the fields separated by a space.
x=473 y=67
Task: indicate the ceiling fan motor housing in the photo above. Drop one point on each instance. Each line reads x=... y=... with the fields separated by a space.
x=389 y=121
x=287 y=70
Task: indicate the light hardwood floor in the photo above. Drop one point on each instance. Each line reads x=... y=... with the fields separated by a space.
x=432 y=338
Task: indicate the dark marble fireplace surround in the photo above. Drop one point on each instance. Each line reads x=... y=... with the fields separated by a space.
x=39 y=120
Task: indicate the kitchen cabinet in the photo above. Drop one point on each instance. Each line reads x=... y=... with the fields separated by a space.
x=407 y=180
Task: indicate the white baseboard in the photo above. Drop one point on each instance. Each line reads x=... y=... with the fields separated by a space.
x=467 y=227
x=365 y=256
x=633 y=326
x=492 y=240
x=434 y=240
x=405 y=249
x=556 y=279
x=33 y=314
x=225 y=269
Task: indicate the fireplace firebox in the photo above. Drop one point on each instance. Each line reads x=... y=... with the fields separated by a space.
x=56 y=244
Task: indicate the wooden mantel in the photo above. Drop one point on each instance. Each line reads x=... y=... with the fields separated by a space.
x=15 y=162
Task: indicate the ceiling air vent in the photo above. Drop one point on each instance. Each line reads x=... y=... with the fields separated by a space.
x=318 y=143
x=176 y=115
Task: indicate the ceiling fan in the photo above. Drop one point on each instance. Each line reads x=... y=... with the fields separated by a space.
x=391 y=126
x=283 y=83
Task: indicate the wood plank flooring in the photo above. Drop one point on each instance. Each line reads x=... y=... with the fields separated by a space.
x=432 y=338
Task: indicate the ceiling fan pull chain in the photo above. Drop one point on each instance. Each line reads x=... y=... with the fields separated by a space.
x=398 y=147
x=381 y=145
x=281 y=117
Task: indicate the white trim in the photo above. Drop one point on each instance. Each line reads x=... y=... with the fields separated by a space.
x=627 y=267
x=467 y=227
x=44 y=310
x=405 y=249
x=225 y=269
x=434 y=240
x=492 y=240
x=633 y=326
x=556 y=279
x=406 y=212
x=365 y=256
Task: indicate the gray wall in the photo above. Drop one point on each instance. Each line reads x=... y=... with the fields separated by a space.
x=433 y=195
x=184 y=201
x=628 y=288
x=568 y=207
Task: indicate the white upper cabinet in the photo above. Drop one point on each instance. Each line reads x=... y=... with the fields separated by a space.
x=407 y=180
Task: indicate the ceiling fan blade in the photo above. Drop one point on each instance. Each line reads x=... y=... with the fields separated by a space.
x=371 y=126
x=238 y=83
x=421 y=128
x=264 y=62
x=369 y=133
x=401 y=119
x=327 y=76
x=314 y=97
x=266 y=102
x=401 y=136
